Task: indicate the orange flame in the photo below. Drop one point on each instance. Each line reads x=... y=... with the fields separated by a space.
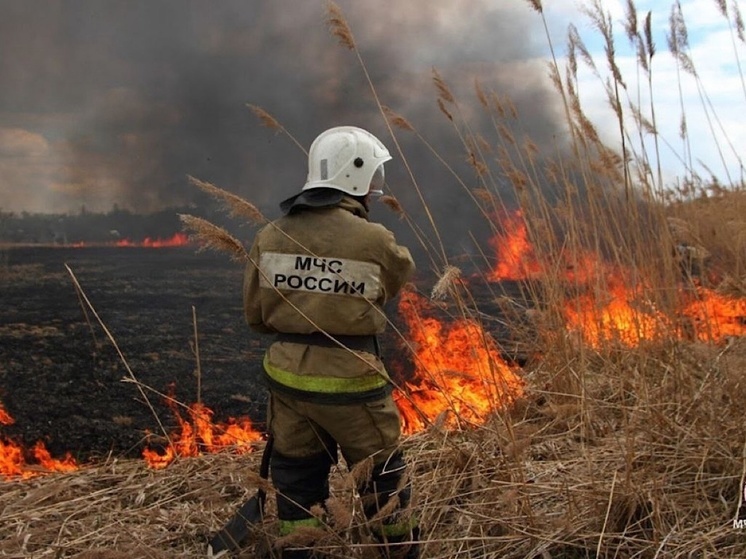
x=616 y=313
x=13 y=457
x=715 y=316
x=515 y=255
x=5 y=418
x=619 y=317
x=459 y=372
x=199 y=435
x=176 y=240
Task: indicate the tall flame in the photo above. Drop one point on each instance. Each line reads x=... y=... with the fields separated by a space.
x=617 y=316
x=715 y=316
x=459 y=373
x=199 y=435
x=515 y=254
x=608 y=309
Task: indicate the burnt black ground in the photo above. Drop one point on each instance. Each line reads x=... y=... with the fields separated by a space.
x=61 y=378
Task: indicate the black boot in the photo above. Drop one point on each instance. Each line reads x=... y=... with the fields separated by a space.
x=296 y=554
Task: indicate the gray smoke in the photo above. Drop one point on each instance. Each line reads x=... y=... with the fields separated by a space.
x=117 y=102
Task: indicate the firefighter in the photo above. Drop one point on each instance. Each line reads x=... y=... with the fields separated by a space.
x=318 y=278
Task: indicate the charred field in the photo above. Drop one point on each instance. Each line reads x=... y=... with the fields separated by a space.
x=63 y=381
x=61 y=377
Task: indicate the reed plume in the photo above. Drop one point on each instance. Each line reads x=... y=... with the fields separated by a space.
x=338 y=26
x=445 y=283
x=397 y=120
x=268 y=121
x=210 y=236
x=536 y=5
x=440 y=85
x=393 y=204
x=233 y=204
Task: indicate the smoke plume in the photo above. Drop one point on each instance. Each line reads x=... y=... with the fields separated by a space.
x=118 y=102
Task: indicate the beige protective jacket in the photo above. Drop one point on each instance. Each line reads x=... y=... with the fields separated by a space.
x=324 y=270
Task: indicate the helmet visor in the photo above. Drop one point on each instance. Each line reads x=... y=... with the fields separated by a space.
x=377 y=181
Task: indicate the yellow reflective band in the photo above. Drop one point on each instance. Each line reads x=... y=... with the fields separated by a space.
x=289 y=526
x=327 y=385
x=402 y=528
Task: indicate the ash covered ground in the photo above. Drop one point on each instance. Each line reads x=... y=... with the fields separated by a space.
x=60 y=375
x=61 y=378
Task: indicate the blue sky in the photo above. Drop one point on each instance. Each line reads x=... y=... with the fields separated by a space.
x=713 y=107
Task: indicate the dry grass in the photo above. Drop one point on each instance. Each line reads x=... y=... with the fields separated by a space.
x=716 y=222
x=647 y=463
x=615 y=451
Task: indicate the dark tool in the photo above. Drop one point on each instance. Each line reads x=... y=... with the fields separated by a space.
x=234 y=533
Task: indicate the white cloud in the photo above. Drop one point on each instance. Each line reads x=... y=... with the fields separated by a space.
x=712 y=106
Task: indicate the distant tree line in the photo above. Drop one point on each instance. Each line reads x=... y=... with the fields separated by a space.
x=86 y=226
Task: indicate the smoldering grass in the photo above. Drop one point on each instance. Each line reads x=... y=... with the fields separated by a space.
x=213 y=237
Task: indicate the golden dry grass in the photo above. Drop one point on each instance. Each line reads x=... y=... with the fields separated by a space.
x=614 y=452
x=647 y=462
x=717 y=223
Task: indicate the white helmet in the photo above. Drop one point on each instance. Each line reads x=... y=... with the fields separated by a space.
x=348 y=159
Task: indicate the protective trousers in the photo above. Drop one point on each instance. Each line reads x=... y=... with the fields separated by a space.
x=307 y=436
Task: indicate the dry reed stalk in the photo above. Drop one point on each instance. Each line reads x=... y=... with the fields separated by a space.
x=130 y=372
x=480 y=94
x=233 y=204
x=397 y=120
x=442 y=88
x=393 y=204
x=446 y=282
x=268 y=121
x=211 y=236
x=738 y=20
x=341 y=30
x=442 y=107
x=536 y=5
x=339 y=27
x=651 y=460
